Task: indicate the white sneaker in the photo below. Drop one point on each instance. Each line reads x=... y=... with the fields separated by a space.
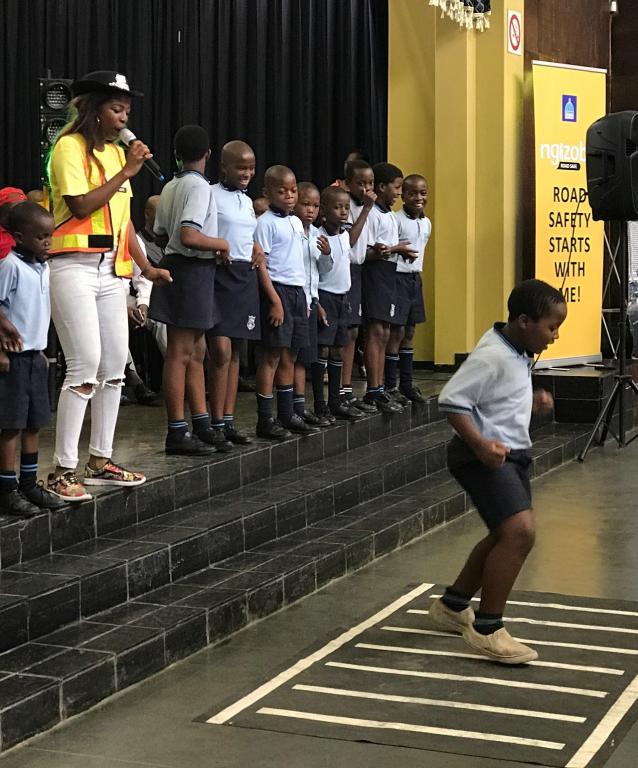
x=448 y=620
x=500 y=646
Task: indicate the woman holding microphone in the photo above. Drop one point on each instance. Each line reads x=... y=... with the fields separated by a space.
x=94 y=246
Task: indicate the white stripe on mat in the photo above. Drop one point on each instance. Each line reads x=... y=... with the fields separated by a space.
x=441 y=703
x=246 y=701
x=529 y=641
x=603 y=730
x=477 y=657
x=471 y=679
x=562 y=607
x=356 y=722
x=566 y=625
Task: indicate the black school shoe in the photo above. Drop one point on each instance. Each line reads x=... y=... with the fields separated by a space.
x=360 y=405
x=16 y=504
x=383 y=403
x=187 y=444
x=345 y=412
x=271 y=430
x=297 y=425
x=41 y=497
x=413 y=394
x=236 y=437
x=323 y=412
x=215 y=436
x=314 y=420
x=398 y=396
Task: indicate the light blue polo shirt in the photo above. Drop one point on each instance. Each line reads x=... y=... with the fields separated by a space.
x=338 y=279
x=494 y=387
x=383 y=228
x=236 y=221
x=280 y=236
x=417 y=232
x=24 y=299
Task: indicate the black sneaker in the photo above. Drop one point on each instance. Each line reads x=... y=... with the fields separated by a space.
x=236 y=437
x=360 y=405
x=144 y=395
x=215 y=436
x=41 y=497
x=383 y=403
x=413 y=393
x=398 y=396
x=14 y=503
x=346 y=412
x=271 y=430
x=323 y=412
x=188 y=444
x=296 y=424
x=314 y=420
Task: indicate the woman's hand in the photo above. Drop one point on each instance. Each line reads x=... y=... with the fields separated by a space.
x=157 y=275
x=135 y=156
x=138 y=315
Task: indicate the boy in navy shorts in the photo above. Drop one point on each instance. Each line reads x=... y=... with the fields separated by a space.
x=359 y=182
x=284 y=326
x=489 y=402
x=380 y=300
x=317 y=261
x=186 y=224
x=414 y=229
x=24 y=389
x=333 y=297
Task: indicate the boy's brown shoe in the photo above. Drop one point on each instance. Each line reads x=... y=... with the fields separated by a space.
x=448 y=620
x=500 y=646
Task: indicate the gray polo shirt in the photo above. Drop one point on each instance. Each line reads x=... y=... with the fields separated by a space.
x=494 y=387
x=186 y=201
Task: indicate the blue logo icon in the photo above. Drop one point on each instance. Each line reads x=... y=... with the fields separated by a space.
x=569 y=108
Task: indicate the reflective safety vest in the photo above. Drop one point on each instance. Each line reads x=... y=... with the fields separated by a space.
x=94 y=234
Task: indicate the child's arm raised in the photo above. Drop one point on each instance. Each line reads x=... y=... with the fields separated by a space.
x=357 y=228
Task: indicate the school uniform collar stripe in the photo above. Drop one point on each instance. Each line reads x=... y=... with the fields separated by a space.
x=181 y=174
x=232 y=189
x=380 y=208
x=410 y=216
x=278 y=212
x=498 y=327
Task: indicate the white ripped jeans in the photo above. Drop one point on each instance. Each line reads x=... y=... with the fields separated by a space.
x=88 y=307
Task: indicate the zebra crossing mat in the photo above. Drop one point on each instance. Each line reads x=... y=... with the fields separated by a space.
x=394 y=680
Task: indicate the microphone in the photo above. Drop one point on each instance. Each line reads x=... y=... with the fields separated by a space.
x=127 y=137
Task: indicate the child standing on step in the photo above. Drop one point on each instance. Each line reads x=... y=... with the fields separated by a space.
x=489 y=403
x=24 y=387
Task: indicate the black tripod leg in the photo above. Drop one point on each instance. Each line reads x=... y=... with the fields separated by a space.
x=608 y=408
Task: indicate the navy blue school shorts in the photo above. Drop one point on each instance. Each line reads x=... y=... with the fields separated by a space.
x=378 y=290
x=237 y=301
x=355 y=308
x=335 y=334
x=189 y=301
x=24 y=392
x=496 y=493
x=410 y=304
x=293 y=333
x=308 y=355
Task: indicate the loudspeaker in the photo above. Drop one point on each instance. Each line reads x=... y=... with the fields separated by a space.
x=612 y=166
x=55 y=97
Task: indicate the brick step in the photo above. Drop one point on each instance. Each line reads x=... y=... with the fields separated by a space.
x=176 y=481
x=70 y=669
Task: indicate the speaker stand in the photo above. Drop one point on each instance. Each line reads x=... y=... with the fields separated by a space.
x=622 y=380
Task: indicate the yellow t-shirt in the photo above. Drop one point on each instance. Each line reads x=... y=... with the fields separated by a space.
x=69 y=177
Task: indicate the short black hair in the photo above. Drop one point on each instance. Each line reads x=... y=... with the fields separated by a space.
x=329 y=193
x=306 y=186
x=386 y=173
x=191 y=143
x=533 y=298
x=352 y=166
x=24 y=215
x=412 y=178
x=275 y=173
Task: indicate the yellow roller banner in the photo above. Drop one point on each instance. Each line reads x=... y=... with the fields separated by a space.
x=569 y=243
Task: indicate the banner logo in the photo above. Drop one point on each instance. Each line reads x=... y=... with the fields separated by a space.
x=569 y=108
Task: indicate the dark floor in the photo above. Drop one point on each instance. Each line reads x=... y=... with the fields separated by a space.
x=587 y=545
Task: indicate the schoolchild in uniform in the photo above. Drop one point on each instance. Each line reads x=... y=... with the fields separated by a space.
x=489 y=402
x=236 y=286
x=317 y=261
x=359 y=182
x=284 y=326
x=333 y=297
x=24 y=389
x=186 y=220
x=414 y=229
x=380 y=305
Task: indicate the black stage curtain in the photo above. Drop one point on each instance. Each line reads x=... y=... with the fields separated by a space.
x=303 y=81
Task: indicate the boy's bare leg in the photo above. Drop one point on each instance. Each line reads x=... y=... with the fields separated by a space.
x=220 y=349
